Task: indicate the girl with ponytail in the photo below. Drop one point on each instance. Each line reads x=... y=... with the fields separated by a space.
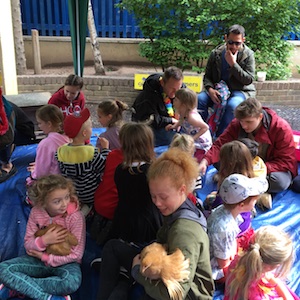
x=259 y=273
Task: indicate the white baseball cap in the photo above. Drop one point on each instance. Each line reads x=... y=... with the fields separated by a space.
x=236 y=188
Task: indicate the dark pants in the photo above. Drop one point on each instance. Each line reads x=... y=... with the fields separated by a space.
x=279 y=181
x=115 y=254
x=23 y=134
x=296 y=184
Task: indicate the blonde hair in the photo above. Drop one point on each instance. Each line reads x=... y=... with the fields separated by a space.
x=187 y=97
x=178 y=165
x=137 y=144
x=271 y=246
x=114 y=108
x=51 y=113
x=184 y=142
x=235 y=157
x=39 y=191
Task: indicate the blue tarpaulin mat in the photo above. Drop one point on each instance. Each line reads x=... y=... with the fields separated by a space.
x=14 y=214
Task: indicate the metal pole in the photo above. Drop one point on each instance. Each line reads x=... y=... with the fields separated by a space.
x=78 y=39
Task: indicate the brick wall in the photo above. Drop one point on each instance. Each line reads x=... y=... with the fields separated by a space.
x=98 y=88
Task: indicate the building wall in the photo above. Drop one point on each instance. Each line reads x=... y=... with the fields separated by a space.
x=58 y=51
x=98 y=88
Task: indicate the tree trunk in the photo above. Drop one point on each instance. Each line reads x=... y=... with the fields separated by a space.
x=98 y=64
x=18 y=37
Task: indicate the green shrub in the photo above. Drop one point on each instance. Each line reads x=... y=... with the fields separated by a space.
x=183 y=32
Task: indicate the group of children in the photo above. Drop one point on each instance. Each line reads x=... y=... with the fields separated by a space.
x=134 y=199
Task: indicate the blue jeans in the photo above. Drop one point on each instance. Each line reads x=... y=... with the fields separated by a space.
x=31 y=277
x=163 y=137
x=204 y=102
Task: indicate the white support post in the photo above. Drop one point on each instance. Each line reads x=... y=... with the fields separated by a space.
x=7 y=50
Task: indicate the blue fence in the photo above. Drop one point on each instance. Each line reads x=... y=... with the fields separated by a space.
x=50 y=18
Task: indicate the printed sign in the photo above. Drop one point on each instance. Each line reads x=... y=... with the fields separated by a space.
x=192 y=82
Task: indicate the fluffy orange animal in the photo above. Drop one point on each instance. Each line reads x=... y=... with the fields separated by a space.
x=172 y=269
x=63 y=248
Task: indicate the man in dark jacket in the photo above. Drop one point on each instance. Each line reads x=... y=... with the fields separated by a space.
x=234 y=63
x=154 y=103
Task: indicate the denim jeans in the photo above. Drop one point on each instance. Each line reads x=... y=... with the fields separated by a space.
x=163 y=137
x=31 y=277
x=204 y=102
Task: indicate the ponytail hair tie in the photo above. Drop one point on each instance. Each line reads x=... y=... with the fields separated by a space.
x=255 y=246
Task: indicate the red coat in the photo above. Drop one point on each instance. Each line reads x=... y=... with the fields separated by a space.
x=59 y=99
x=275 y=131
x=106 y=195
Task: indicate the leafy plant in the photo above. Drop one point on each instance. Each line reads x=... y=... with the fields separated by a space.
x=172 y=30
x=183 y=32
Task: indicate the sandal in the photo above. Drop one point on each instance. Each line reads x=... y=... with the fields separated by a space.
x=4 y=175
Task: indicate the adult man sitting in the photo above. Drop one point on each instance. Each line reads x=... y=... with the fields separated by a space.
x=233 y=63
x=155 y=103
x=275 y=138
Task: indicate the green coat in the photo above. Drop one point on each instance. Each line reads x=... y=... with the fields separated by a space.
x=190 y=237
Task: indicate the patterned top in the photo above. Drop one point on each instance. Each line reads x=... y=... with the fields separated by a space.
x=204 y=142
x=222 y=231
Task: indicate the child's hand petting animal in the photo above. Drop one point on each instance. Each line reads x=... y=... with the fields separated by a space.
x=172 y=269
x=58 y=239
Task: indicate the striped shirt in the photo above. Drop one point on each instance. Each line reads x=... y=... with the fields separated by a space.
x=84 y=165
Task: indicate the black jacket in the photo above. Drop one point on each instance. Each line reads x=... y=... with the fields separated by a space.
x=150 y=102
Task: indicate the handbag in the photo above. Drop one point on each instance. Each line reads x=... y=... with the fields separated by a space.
x=216 y=115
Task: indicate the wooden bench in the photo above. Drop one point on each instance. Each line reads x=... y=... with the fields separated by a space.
x=30 y=102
